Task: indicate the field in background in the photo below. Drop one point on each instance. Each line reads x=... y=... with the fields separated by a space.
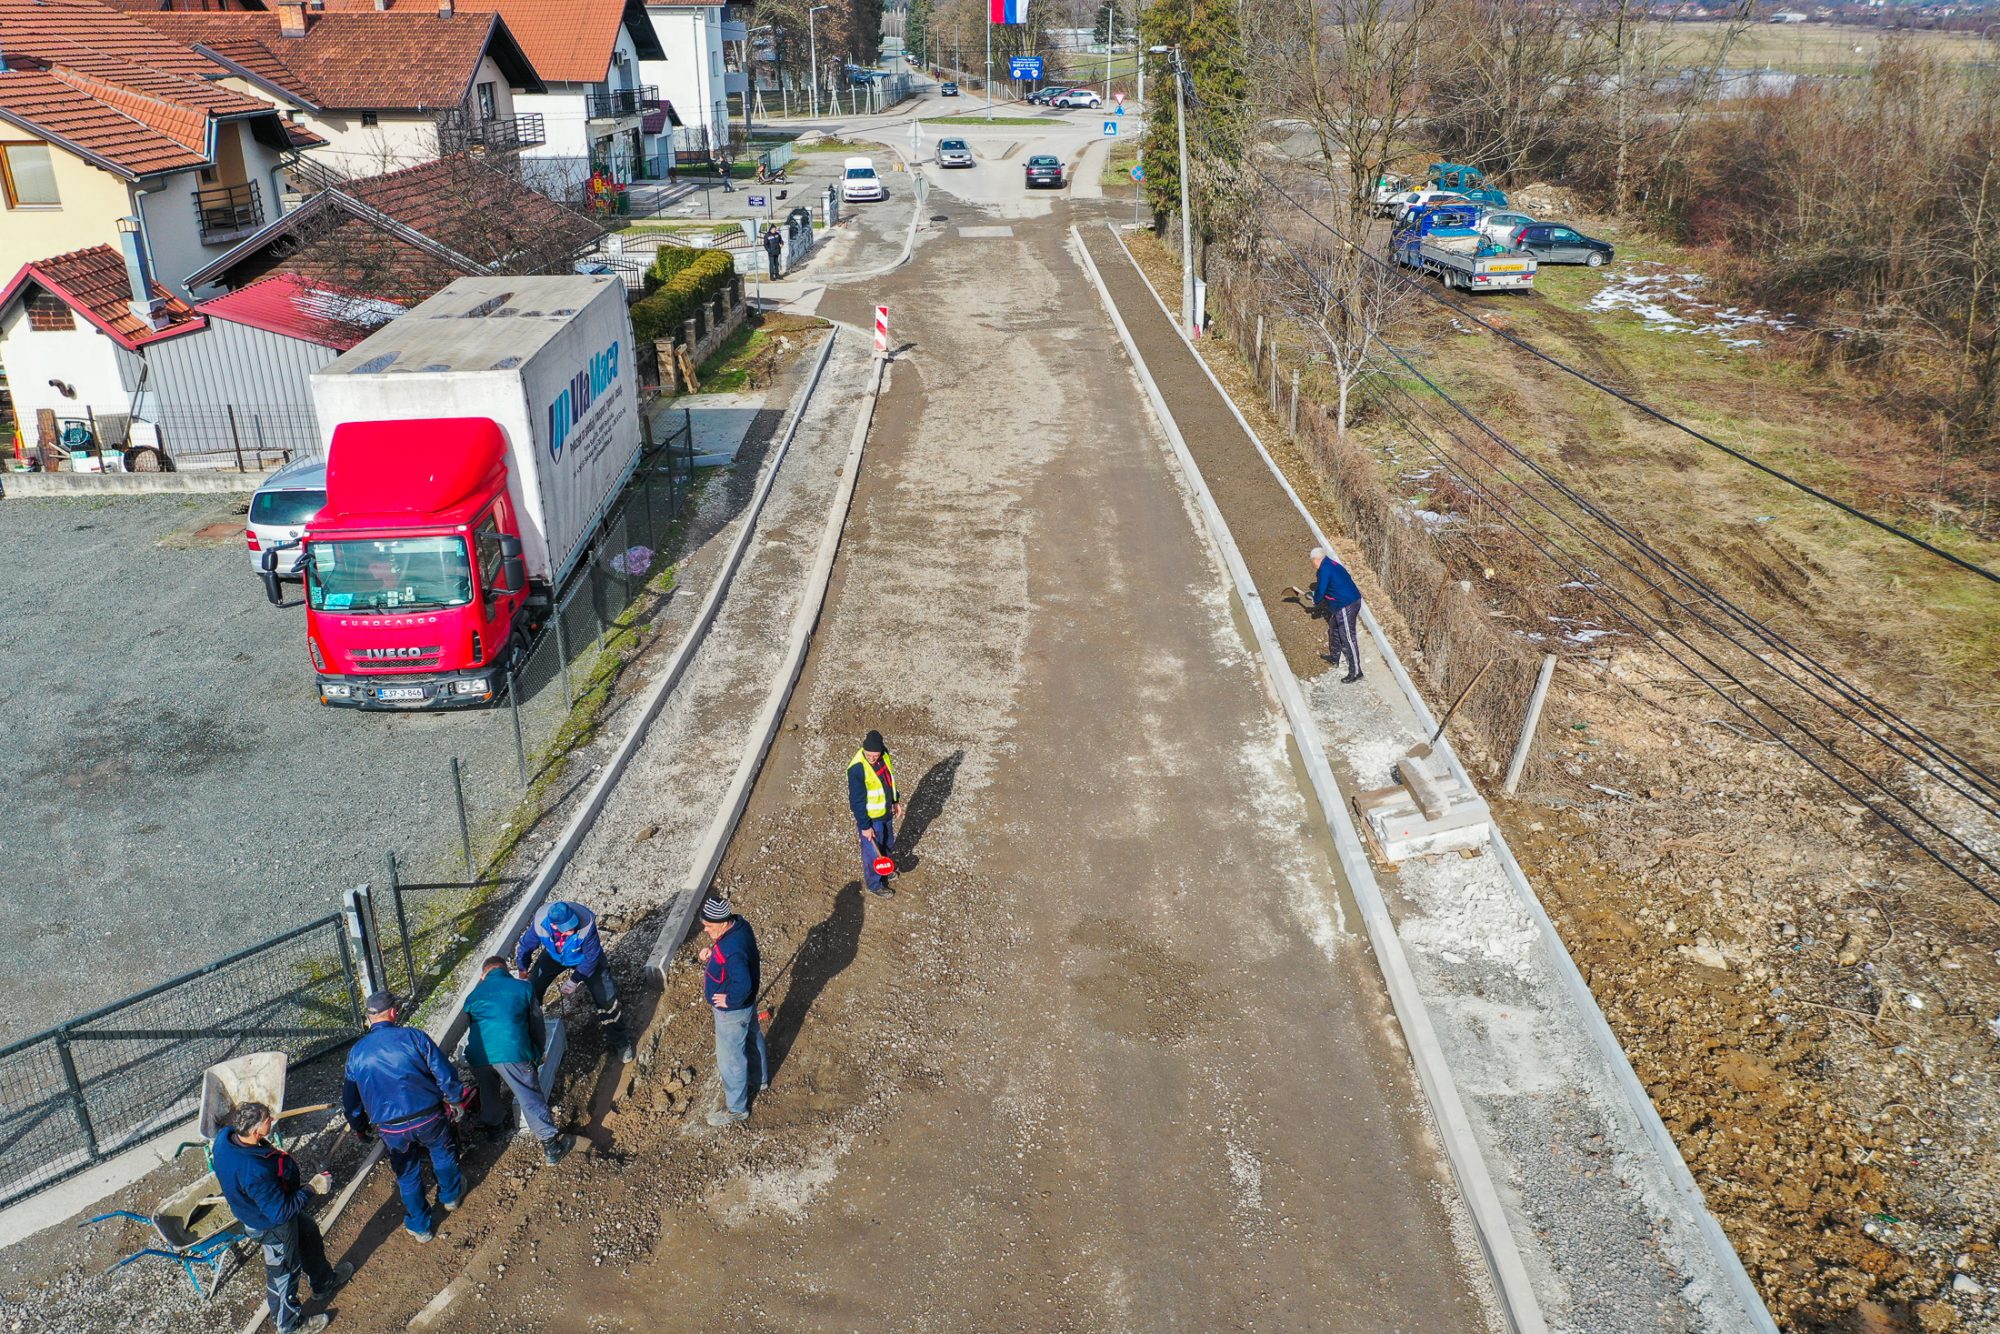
x=1819 y=48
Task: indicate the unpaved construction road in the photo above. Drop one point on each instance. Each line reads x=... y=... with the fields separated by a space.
x=1112 y=1058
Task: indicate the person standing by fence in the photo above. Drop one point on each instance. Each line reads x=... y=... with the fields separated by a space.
x=774 y=246
x=563 y=936
x=1335 y=594
x=504 y=1048
x=877 y=807
x=731 y=978
x=260 y=1183
x=400 y=1085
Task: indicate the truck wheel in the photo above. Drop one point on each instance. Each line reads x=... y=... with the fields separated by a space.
x=1596 y=260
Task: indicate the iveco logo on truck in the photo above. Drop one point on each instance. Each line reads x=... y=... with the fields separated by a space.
x=574 y=401
x=393 y=654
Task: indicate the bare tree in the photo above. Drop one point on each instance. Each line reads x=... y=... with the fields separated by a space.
x=1345 y=299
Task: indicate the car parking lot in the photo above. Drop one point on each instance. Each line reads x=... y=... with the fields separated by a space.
x=173 y=788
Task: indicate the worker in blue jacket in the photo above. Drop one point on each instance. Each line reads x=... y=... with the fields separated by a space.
x=566 y=936
x=732 y=975
x=400 y=1085
x=1335 y=595
x=877 y=807
x=261 y=1184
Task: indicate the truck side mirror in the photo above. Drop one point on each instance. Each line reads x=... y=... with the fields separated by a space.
x=513 y=569
x=269 y=564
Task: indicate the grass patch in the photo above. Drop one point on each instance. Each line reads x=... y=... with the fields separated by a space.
x=684 y=228
x=981 y=120
x=837 y=146
x=1118 y=164
x=750 y=357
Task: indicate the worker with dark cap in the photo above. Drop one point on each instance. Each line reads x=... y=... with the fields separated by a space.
x=1337 y=598
x=400 y=1085
x=566 y=936
x=731 y=978
x=877 y=807
x=260 y=1182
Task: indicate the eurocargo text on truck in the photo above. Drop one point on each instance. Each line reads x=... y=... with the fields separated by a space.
x=474 y=447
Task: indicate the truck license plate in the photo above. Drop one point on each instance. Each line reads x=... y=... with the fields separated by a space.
x=400 y=692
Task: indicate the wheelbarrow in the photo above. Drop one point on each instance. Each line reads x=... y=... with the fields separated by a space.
x=195 y=1227
x=195 y=1224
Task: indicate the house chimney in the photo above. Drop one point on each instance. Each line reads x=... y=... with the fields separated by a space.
x=291 y=18
x=445 y=10
x=381 y=5
x=139 y=275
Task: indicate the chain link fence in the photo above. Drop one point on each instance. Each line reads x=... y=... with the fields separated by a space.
x=99 y=1084
x=89 y=1088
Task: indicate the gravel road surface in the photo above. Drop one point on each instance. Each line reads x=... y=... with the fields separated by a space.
x=175 y=790
x=1111 y=1058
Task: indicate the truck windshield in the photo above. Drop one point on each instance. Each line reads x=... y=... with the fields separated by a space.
x=389 y=574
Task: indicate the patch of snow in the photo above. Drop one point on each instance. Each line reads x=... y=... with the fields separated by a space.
x=1671 y=303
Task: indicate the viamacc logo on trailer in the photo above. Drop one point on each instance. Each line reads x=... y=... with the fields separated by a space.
x=1009 y=11
x=573 y=403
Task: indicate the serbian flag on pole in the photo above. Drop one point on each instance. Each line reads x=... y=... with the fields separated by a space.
x=1009 y=11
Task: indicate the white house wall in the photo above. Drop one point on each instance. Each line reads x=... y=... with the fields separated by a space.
x=83 y=359
x=691 y=75
x=171 y=227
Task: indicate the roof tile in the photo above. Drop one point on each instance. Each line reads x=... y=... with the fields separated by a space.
x=66 y=113
x=92 y=282
x=567 y=41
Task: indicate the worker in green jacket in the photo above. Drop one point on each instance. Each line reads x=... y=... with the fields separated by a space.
x=504 y=1049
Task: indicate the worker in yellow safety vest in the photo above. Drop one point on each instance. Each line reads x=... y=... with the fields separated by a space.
x=877 y=807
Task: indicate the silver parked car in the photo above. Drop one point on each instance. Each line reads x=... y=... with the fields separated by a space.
x=1499 y=227
x=954 y=153
x=279 y=512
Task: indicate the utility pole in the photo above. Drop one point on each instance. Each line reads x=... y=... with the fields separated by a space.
x=812 y=36
x=1110 y=31
x=989 y=68
x=1187 y=227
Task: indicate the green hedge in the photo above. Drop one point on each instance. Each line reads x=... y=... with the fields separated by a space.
x=681 y=280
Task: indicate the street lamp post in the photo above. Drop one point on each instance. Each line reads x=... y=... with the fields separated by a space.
x=989 y=68
x=1187 y=230
x=1110 y=33
x=812 y=35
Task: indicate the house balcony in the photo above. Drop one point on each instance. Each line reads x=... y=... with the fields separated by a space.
x=496 y=134
x=228 y=213
x=621 y=103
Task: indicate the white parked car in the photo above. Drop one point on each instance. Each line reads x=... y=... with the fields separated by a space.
x=1499 y=226
x=280 y=509
x=1077 y=97
x=1408 y=200
x=859 y=183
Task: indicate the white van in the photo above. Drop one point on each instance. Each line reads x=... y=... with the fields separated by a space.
x=858 y=181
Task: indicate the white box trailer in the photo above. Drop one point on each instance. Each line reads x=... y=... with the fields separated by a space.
x=549 y=359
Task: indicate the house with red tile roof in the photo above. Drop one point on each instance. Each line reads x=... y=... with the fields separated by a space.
x=588 y=54
x=110 y=128
x=73 y=339
x=384 y=89
x=402 y=236
x=694 y=80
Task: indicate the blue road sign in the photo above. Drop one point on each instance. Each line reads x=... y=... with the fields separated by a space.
x=1111 y=129
x=1138 y=172
x=1120 y=111
x=1024 y=67
x=759 y=201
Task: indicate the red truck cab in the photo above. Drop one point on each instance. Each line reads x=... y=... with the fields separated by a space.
x=417 y=595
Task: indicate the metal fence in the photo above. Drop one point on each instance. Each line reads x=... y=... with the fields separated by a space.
x=253 y=438
x=91 y=1087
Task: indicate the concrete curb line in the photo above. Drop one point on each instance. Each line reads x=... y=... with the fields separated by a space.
x=708 y=854
x=1489 y=1220
x=66 y=485
x=1571 y=978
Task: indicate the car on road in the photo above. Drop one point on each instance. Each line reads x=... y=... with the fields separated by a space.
x=954 y=153
x=280 y=509
x=947 y=89
x=1500 y=226
x=1041 y=97
x=859 y=183
x=1044 y=169
x=1553 y=243
x=1077 y=97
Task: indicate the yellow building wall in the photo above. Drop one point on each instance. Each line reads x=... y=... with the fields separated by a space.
x=92 y=203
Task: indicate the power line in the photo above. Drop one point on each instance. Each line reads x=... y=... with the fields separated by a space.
x=1960 y=775
x=1426 y=291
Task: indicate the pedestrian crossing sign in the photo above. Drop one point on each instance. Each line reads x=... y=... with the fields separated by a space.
x=1111 y=129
